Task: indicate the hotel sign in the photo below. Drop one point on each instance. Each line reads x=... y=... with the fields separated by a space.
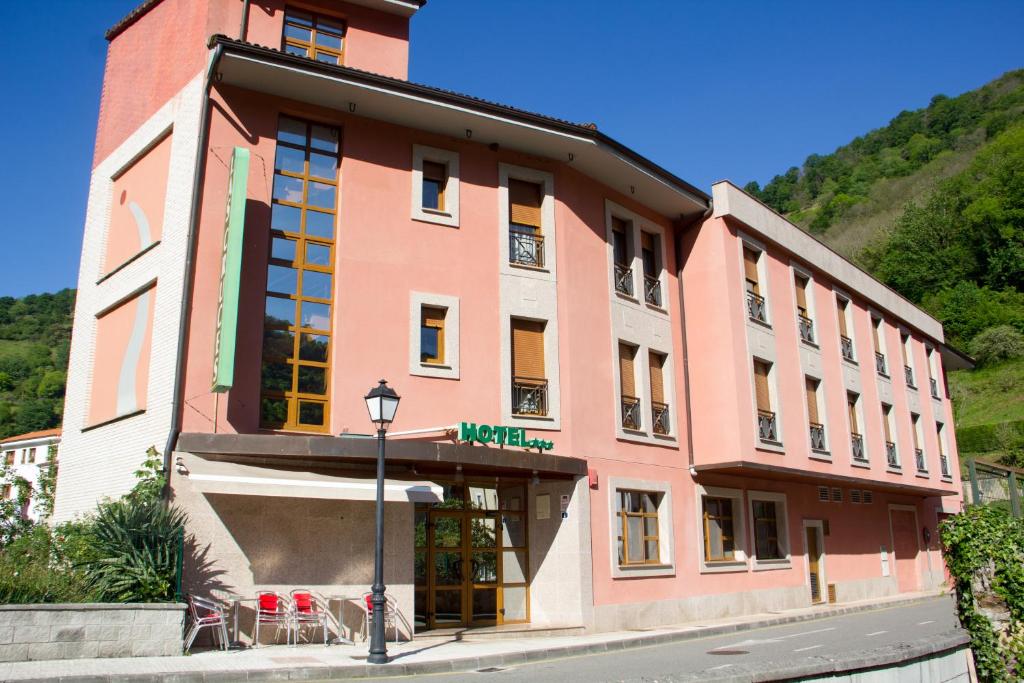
x=230 y=273
x=471 y=432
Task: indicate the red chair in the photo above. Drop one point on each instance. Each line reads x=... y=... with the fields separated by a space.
x=207 y=613
x=275 y=609
x=390 y=615
x=309 y=610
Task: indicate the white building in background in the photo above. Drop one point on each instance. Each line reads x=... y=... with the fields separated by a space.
x=26 y=457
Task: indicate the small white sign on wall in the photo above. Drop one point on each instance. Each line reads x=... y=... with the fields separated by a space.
x=884 y=553
x=544 y=506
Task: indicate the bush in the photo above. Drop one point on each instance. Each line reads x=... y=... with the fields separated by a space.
x=997 y=344
x=36 y=567
x=998 y=436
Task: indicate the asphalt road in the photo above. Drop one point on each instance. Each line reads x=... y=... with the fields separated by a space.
x=834 y=635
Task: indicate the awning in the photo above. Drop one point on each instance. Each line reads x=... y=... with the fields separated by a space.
x=211 y=476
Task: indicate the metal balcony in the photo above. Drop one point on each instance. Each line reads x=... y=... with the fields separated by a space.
x=935 y=387
x=623 y=279
x=919 y=460
x=630 y=412
x=890 y=455
x=659 y=414
x=526 y=248
x=857 y=447
x=908 y=374
x=806 y=326
x=944 y=465
x=846 y=348
x=766 y=427
x=529 y=396
x=652 y=290
x=880 y=366
x=756 y=308
x=817 y=436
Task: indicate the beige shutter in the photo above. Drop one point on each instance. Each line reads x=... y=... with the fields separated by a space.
x=875 y=324
x=524 y=201
x=761 y=385
x=801 y=296
x=528 y=349
x=886 y=415
x=627 y=375
x=842 y=303
x=812 y=400
x=913 y=428
x=851 y=405
x=904 y=340
x=657 y=361
x=750 y=268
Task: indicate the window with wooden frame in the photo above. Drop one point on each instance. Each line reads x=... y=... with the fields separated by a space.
x=313 y=35
x=638 y=536
x=9 y=457
x=32 y=455
x=767 y=541
x=526 y=240
x=529 y=382
x=432 y=335
x=843 y=317
x=659 y=404
x=816 y=424
x=630 y=403
x=6 y=491
x=435 y=181
x=297 y=331
x=767 y=427
x=622 y=260
x=719 y=533
x=750 y=258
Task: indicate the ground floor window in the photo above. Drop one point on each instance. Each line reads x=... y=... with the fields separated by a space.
x=638 y=537
x=719 y=530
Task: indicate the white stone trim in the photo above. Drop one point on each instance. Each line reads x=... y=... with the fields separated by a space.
x=739 y=521
x=848 y=318
x=666 y=537
x=773 y=397
x=450 y=215
x=795 y=269
x=782 y=520
x=450 y=368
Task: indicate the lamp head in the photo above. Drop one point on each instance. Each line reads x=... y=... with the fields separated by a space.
x=382 y=404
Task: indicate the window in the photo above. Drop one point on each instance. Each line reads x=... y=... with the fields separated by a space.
x=877 y=335
x=435 y=177
x=621 y=246
x=659 y=408
x=529 y=383
x=651 y=259
x=816 y=426
x=300 y=278
x=933 y=383
x=435 y=186
x=755 y=301
x=719 y=533
x=845 y=342
x=9 y=457
x=891 y=458
x=856 y=438
x=638 y=534
x=314 y=36
x=31 y=455
x=6 y=491
x=768 y=515
x=766 y=424
x=630 y=404
x=908 y=363
x=943 y=451
x=432 y=335
x=805 y=323
x=526 y=241
x=915 y=423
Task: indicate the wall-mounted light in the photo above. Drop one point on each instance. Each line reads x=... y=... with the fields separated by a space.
x=469 y=134
x=572 y=157
x=352 y=107
x=535 y=479
x=632 y=189
x=458 y=474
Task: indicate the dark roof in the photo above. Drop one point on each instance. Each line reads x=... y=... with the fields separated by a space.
x=585 y=130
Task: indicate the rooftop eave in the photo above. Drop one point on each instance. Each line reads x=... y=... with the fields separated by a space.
x=458 y=116
x=405 y=8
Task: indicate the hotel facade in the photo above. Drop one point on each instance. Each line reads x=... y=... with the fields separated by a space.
x=625 y=401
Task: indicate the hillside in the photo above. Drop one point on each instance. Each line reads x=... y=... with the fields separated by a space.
x=35 y=337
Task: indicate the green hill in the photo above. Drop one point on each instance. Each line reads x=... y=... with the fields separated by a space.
x=35 y=337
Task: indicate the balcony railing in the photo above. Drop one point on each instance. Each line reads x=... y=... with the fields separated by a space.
x=935 y=387
x=630 y=412
x=623 y=279
x=908 y=373
x=944 y=465
x=846 y=347
x=652 y=290
x=806 y=326
x=756 y=307
x=529 y=396
x=880 y=366
x=817 y=436
x=919 y=460
x=659 y=413
x=890 y=455
x=857 y=446
x=526 y=248
x=766 y=429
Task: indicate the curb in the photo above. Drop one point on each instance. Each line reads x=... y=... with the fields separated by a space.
x=811 y=666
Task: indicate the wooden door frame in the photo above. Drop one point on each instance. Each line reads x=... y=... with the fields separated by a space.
x=819 y=525
x=917 y=540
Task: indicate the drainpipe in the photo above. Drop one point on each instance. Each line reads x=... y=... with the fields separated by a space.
x=243 y=32
x=683 y=228
x=190 y=256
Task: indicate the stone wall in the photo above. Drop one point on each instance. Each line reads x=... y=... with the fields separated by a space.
x=80 y=631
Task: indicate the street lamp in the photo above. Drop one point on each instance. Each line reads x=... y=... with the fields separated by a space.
x=382 y=402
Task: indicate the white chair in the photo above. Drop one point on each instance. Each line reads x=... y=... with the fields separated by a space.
x=273 y=609
x=207 y=613
x=390 y=615
x=309 y=609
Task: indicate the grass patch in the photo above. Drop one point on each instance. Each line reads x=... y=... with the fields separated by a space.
x=988 y=395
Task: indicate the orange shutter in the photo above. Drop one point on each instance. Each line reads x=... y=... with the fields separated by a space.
x=627 y=376
x=657 y=361
x=761 y=385
x=812 y=400
x=913 y=424
x=528 y=349
x=750 y=268
x=801 y=296
x=842 y=303
x=851 y=404
x=524 y=201
x=904 y=340
x=875 y=324
x=646 y=241
x=886 y=415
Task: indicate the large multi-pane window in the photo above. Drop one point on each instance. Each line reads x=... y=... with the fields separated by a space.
x=314 y=36
x=637 y=513
x=767 y=545
x=300 y=278
x=719 y=536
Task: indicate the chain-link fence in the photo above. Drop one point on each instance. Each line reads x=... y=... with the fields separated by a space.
x=988 y=484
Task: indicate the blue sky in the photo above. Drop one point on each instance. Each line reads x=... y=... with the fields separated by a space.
x=710 y=89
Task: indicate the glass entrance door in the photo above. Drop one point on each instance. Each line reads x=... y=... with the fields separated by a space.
x=472 y=558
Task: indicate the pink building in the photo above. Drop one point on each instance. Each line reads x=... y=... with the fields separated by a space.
x=624 y=402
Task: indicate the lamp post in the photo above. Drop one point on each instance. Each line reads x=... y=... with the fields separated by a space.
x=382 y=402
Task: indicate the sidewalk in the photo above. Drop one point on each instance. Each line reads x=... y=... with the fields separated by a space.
x=422 y=656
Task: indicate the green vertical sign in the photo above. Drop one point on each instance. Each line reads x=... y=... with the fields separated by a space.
x=230 y=272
